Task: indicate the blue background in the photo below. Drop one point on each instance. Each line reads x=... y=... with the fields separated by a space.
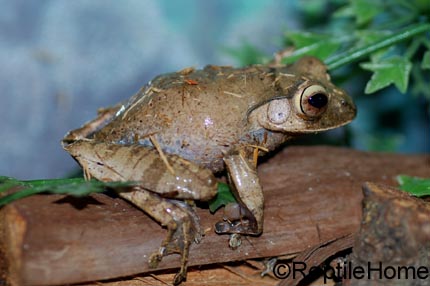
x=61 y=60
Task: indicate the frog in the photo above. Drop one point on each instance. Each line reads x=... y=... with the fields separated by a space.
x=183 y=128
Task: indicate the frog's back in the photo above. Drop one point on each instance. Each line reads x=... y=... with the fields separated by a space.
x=196 y=114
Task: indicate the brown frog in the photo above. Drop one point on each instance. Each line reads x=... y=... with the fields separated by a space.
x=182 y=127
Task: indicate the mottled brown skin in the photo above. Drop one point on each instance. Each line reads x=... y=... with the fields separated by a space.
x=213 y=119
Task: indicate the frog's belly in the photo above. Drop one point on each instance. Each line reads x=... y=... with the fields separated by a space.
x=205 y=155
x=194 y=148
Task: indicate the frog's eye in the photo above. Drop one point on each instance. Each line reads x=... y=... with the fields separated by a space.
x=278 y=111
x=313 y=101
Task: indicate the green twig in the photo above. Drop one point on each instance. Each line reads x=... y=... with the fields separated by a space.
x=356 y=53
x=73 y=186
x=18 y=195
x=54 y=182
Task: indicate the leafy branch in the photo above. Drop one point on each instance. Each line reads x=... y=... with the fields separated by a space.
x=356 y=53
x=394 y=36
x=387 y=64
x=12 y=189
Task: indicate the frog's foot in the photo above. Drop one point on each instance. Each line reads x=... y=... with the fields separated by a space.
x=178 y=240
x=182 y=230
x=236 y=220
x=182 y=226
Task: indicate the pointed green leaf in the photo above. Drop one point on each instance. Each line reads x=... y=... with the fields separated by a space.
x=366 y=10
x=425 y=64
x=367 y=37
x=420 y=86
x=344 y=11
x=246 y=54
x=320 y=46
x=223 y=197
x=418 y=187
x=303 y=39
x=394 y=70
x=73 y=187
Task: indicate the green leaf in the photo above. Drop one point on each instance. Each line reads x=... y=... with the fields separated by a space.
x=387 y=71
x=366 y=10
x=317 y=45
x=367 y=37
x=302 y=39
x=246 y=54
x=74 y=187
x=420 y=79
x=425 y=64
x=223 y=197
x=344 y=11
x=418 y=187
x=7 y=183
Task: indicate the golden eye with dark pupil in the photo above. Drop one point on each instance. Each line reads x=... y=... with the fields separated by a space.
x=313 y=101
x=318 y=100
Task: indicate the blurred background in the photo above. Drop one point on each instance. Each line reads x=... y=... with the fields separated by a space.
x=62 y=60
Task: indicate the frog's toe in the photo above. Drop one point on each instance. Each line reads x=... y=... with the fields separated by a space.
x=195 y=229
x=180 y=276
x=180 y=219
x=180 y=242
x=238 y=226
x=155 y=258
x=183 y=229
x=231 y=227
x=237 y=220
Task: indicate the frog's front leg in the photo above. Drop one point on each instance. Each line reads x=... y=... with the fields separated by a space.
x=248 y=192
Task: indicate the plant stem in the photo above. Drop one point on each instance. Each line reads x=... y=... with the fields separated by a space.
x=54 y=182
x=354 y=54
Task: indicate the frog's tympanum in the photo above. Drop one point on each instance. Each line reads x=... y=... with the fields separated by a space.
x=182 y=127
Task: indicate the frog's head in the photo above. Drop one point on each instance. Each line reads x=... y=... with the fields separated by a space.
x=306 y=102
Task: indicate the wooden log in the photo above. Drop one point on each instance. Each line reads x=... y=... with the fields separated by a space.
x=393 y=244
x=313 y=194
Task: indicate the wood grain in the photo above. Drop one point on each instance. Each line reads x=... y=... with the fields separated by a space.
x=313 y=194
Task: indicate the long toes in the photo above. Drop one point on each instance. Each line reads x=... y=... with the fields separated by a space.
x=193 y=218
x=180 y=240
x=239 y=226
x=181 y=233
x=180 y=277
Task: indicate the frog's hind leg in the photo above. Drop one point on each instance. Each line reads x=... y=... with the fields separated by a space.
x=135 y=163
x=179 y=218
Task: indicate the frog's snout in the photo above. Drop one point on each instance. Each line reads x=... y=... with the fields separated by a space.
x=70 y=138
x=347 y=108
